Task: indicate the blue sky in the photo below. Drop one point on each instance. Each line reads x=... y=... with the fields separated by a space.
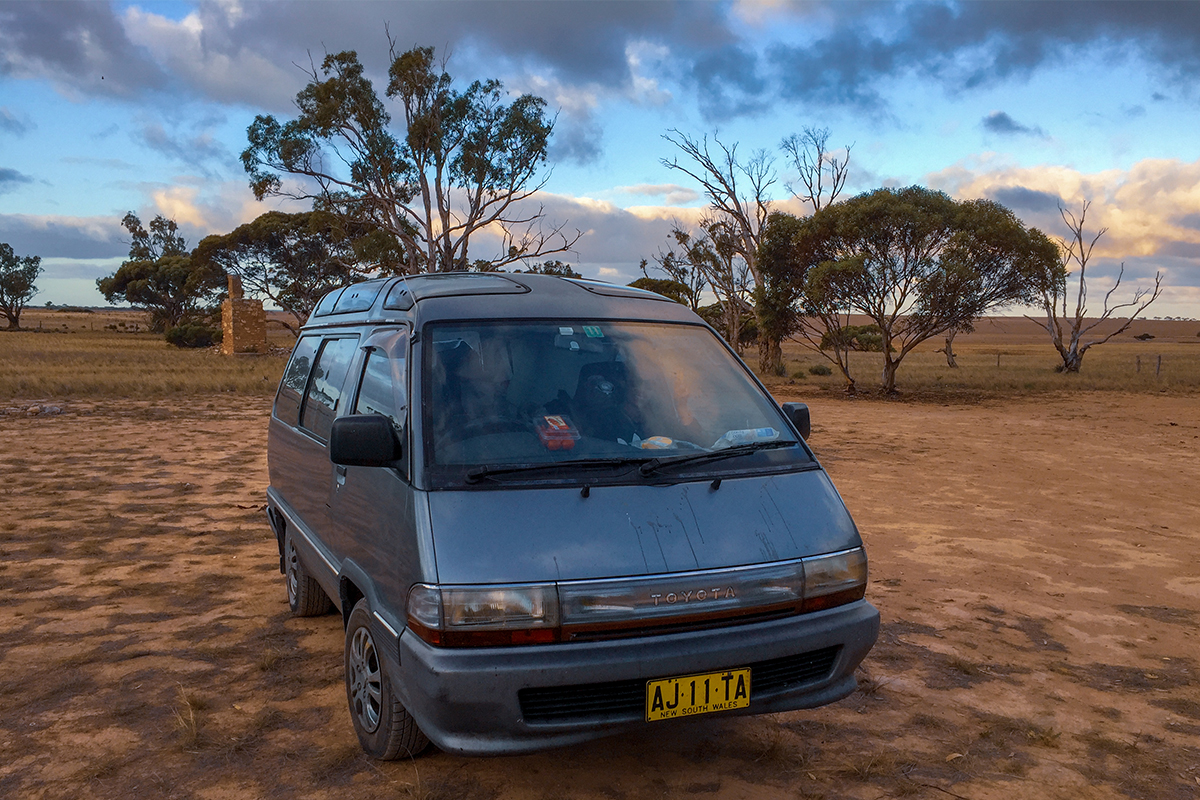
x=143 y=106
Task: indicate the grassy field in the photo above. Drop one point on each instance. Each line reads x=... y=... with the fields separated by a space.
x=77 y=354
x=987 y=369
x=66 y=354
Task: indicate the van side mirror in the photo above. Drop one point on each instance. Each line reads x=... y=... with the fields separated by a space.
x=797 y=414
x=364 y=440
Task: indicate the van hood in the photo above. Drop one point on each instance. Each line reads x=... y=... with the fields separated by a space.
x=518 y=535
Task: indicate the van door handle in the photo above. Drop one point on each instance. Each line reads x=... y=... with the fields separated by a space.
x=339 y=476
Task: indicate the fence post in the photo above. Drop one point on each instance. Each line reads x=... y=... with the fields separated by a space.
x=997 y=361
x=1158 y=366
x=1139 y=363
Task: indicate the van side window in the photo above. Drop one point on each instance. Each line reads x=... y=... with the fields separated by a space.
x=295 y=378
x=377 y=394
x=325 y=389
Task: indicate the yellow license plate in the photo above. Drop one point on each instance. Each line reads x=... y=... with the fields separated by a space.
x=672 y=698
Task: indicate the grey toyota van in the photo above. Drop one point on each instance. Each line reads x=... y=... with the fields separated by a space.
x=551 y=509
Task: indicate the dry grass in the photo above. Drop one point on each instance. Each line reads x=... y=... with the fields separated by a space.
x=188 y=719
x=88 y=359
x=1023 y=369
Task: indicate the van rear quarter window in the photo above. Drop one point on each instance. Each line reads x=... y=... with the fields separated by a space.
x=295 y=379
x=324 y=394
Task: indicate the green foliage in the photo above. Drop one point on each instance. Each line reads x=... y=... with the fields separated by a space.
x=820 y=369
x=294 y=259
x=552 y=268
x=667 y=288
x=161 y=277
x=777 y=295
x=17 y=276
x=917 y=263
x=863 y=338
x=193 y=334
x=462 y=161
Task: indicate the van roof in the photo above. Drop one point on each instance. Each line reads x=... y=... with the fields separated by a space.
x=489 y=295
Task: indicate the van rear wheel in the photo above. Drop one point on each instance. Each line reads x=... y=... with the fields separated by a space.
x=305 y=596
x=384 y=727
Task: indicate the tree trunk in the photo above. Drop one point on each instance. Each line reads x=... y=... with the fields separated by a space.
x=733 y=328
x=889 y=370
x=950 y=359
x=770 y=355
x=1072 y=361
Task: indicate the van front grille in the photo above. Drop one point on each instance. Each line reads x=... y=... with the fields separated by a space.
x=624 y=700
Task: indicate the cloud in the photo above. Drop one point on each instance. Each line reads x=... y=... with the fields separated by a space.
x=1188 y=221
x=247 y=52
x=195 y=151
x=672 y=193
x=1001 y=123
x=10 y=179
x=64 y=237
x=13 y=122
x=729 y=82
x=1019 y=198
x=81 y=46
x=1150 y=209
x=851 y=49
x=205 y=51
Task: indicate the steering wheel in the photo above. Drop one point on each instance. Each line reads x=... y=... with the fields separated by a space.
x=485 y=426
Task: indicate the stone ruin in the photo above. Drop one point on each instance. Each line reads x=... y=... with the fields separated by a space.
x=243 y=322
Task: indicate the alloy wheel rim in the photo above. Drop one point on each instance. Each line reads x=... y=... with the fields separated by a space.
x=293 y=567
x=366 y=680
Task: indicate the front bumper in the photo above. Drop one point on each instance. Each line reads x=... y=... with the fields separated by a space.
x=470 y=700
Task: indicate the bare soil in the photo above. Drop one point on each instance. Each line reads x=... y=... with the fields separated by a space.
x=1034 y=562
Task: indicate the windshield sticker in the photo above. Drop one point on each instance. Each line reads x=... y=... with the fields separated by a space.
x=566 y=331
x=593 y=332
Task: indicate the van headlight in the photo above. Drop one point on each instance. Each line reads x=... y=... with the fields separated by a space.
x=834 y=579
x=462 y=616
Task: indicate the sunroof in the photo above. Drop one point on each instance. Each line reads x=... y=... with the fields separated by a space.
x=450 y=284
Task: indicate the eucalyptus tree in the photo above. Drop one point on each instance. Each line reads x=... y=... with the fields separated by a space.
x=918 y=264
x=459 y=164
x=161 y=277
x=17 y=287
x=294 y=259
x=738 y=192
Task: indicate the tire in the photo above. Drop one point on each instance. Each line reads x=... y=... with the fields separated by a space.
x=385 y=729
x=306 y=598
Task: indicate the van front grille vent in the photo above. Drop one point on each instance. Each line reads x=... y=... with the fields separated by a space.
x=625 y=700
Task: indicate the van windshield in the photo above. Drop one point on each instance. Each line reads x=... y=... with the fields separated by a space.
x=587 y=392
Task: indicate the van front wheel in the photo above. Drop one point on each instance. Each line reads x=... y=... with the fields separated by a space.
x=306 y=598
x=385 y=729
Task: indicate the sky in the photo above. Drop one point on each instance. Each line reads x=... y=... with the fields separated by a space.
x=107 y=108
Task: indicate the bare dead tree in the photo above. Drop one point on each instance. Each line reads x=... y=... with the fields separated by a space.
x=822 y=172
x=737 y=191
x=1068 y=330
x=707 y=257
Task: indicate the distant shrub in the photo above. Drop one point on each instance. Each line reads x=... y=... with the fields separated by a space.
x=820 y=369
x=193 y=334
x=1144 y=337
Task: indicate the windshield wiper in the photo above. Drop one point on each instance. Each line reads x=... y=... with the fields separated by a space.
x=582 y=464
x=655 y=464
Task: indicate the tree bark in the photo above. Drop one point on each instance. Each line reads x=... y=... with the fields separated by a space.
x=889 y=369
x=949 y=350
x=770 y=355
